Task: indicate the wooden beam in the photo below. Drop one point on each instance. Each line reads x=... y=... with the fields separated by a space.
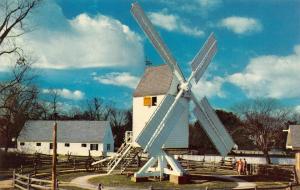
x=54 y=156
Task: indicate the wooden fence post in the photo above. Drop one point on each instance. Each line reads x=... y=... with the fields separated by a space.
x=74 y=164
x=14 y=177
x=54 y=156
x=34 y=167
x=28 y=182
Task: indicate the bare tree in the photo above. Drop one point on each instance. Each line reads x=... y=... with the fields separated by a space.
x=264 y=120
x=18 y=103
x=119 y=121
x=97 y=110
x=12 y=23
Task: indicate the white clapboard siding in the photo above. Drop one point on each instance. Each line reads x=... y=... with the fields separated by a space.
x=141 y=114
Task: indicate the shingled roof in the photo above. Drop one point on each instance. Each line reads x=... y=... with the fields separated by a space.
x=67 y=131
x=293 y=138
x=156 y=81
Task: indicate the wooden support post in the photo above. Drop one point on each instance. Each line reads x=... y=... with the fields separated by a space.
x=54 y=156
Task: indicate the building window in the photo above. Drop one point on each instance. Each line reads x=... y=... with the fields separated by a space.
x=93 y=146
x=67 y=144
x=38 y=144
x=51 y=146
x=108 y=147
x=22 y=143
x=83 y=145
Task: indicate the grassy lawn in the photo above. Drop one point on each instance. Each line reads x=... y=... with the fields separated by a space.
x=124 y=181
x=72 y=188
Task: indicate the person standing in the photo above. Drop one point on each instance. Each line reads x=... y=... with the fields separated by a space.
x=242 y=166
x=245 y=167
x=239 y=166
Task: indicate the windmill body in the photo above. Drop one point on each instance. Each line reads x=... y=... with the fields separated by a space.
x=154 y=86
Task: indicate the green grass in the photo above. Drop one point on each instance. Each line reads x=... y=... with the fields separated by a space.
x=265 y=184
x=124 y=181
x=72 y=188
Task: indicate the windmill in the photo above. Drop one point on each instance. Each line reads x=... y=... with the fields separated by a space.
x=160 y=111
x=155 y=133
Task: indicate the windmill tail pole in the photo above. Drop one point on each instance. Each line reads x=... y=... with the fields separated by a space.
x=54 y=156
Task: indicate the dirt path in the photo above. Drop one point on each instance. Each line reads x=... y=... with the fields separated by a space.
x=83 y=182
x=6 y=184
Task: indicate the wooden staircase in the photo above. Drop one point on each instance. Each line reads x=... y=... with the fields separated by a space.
x=125 y=156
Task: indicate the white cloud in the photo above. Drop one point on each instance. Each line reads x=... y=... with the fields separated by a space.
x=66 y=93
x=209 y=88
x=172 y=22
x=195 y=7
x=271 y=76
x=118 y=79
x=209 y=3
x=82 y=42
x=241 y=25
x=297 y=109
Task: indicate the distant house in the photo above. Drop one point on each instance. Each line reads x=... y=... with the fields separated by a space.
x=73 y=137
x=293 y=137
x=293 y=142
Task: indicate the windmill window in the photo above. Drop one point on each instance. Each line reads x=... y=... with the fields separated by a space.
x=67 y=144
x=38 y=144
x=22 y=143
x=93 y=146
x=51 y=146
x=154 y=101
x=83 y=145
x=150 y=101
x=147 y=101
x=108 y=147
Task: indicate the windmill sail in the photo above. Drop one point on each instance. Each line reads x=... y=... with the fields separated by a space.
x=204 y=56
x=150 y=129
x=213 y=127
x=155 y=39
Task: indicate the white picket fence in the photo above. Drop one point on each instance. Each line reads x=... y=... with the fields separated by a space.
x=249 y=159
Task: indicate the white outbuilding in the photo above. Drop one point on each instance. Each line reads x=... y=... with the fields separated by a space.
x=73 y=137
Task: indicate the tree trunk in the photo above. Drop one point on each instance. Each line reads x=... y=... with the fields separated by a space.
x=267 y=156
x=7 y=139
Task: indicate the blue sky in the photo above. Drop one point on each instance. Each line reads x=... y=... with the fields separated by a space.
x=95 y=48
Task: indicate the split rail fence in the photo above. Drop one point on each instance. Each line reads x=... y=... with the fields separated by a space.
x=26 y=182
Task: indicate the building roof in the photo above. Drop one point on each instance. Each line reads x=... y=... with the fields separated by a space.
x=67 y=131
x=156 y=81
x=293 y=138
